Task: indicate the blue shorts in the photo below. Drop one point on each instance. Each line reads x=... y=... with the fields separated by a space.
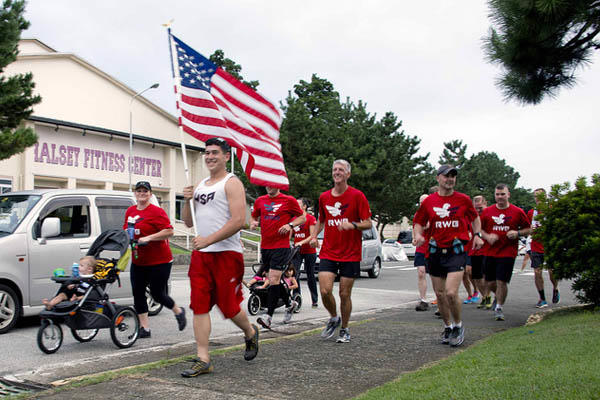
x=420 y=260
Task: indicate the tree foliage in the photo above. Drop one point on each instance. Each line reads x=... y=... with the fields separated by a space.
x=540 y=43
x=570 y=231
x=16 y=92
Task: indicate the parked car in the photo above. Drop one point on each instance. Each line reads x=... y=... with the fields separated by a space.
x=372 y=256
x=393 y=251
x=405 y=239
x=45 y=229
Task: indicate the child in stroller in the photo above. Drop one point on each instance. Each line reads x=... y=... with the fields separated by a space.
x=93 y=310
x=72 y=291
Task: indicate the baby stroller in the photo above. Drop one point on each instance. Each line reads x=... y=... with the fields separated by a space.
x=94 y=310
x=259 y=297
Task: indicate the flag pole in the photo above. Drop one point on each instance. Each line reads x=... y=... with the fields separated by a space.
x=177 y=86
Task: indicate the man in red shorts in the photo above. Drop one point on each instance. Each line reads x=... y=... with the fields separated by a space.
x=278 y=214
x=447 y=212
x=344 y=213
x=217 y=265
x=501 y=225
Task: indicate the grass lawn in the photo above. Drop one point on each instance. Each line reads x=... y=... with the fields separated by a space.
x=558 y=358
x=177 y=250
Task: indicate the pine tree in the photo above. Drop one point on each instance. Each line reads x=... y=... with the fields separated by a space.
x=16 y=92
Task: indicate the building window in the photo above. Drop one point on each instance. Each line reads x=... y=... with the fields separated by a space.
x=5 y=186
x=179 y=202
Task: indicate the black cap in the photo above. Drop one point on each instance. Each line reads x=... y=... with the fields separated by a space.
x=446 y=170
x=143 y=184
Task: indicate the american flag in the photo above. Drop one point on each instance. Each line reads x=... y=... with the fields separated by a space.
x=215 y=104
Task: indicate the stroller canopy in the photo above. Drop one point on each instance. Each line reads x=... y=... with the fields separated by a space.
x=111 y=240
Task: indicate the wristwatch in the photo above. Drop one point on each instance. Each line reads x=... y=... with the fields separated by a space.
x=291 y=225
x=479 y=234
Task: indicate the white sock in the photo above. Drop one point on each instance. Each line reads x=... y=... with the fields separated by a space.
x=458 y=325
x=448 y=326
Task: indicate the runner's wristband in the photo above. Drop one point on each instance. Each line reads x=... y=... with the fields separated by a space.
x=354 y=224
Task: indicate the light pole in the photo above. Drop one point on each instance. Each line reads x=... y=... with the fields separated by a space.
x=131 y=128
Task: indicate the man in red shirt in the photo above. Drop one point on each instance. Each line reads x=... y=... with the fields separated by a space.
x=308 y=254
x=420 y=262
x=447 y=212
x=344 y=213
x=278 y=214
x=502 y=224
x=537 y=256
x=475 y=267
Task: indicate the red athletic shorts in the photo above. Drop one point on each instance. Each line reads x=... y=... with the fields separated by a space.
x=216 y=278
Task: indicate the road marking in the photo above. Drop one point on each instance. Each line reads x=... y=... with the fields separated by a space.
x=401 y=268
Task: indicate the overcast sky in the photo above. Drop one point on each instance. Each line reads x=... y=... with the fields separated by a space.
x=421 y=60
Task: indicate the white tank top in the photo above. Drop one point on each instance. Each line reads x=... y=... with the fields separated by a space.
x=212 y=212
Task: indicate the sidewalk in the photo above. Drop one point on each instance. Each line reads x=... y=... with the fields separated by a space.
x=384 y=345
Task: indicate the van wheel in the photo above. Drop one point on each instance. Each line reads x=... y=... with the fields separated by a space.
x=10 y=308
x=375 y=269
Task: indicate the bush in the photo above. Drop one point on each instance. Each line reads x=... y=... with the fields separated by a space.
x=570 y=232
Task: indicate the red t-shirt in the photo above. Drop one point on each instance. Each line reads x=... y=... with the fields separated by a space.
x=351 y=206
x=495 y=220
x=448 y=217
x=274 y=212
x=148 y=221
x=536 y=245
x=302 y=232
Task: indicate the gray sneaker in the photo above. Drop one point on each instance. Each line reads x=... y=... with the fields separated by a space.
x=344 y=336
x=422 y=306
x=332 y=325
x=289 y=312
x=265 y=321
x=498 y=314
x=457 y=337
x=446 y=335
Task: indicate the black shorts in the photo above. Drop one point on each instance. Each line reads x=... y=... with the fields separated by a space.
x=477 y=263
x=440 y=264
x=347 y=269
x=537 y=259
x=275 y=258
x=499 y=269
x=469 y=260
x=420 y=260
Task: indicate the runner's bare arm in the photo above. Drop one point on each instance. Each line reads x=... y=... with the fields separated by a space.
x=186 y=214
x=418 y=238
x=361 y=226
x=313 y=234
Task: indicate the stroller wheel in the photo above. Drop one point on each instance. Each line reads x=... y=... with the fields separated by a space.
x=84 y=335
x=124 y=327
x=49 y=337
x=253 y=304
x=154 y=307
x=298 y=299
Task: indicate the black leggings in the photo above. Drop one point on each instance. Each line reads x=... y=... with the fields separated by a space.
x=157 y=276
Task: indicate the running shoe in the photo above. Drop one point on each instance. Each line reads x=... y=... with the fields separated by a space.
x=198 y=368
x=498 y=314
x=475 y=297
x=144 y=333
x=468 y=300
x=252 y=345
x=555 y=297
x=492 y=305
x=344 y=336
x=541 y=304
x=315 y=305
x=181 y=321
x=289 y=312
x=265 y=321
x=434 y=302
x=446 y=335
x=332 y=325
x=484 y=301
x=457 y=337
x=422 y=306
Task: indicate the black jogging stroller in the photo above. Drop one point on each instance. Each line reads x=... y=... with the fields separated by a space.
x=94 y=311
x=258 y=298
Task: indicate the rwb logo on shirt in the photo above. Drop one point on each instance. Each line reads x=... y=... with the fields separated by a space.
x=447 y=224
x=336 y=222
x=499 y=220
x=337 y=209
x=272 y=207
x=205 y=198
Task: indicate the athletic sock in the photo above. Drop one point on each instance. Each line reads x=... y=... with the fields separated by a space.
x=273 y=293
x=458 y=325
x=542 y=295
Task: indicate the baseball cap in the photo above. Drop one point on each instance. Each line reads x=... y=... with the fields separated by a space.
x=446 y=170
x=143 y=184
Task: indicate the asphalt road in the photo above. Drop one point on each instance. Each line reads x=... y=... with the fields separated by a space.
x=21 y=358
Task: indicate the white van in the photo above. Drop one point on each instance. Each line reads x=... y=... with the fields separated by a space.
x=30 y=249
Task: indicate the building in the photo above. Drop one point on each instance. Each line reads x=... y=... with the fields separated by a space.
x=83 y=125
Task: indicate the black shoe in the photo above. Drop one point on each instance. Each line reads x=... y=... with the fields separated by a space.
x=181 y=321
x=555 y=297
x=422 y=306
x=143 y=333
x=446 y=335
x=252 y=345
x=199 y=368
x=458 y=336
x=315 y=305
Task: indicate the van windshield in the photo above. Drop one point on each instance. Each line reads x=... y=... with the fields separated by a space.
x=13 y=209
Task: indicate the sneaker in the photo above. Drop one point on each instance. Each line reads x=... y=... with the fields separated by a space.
x=332 y=325
x=252 y=345
x=484 y=301
x=438 y=314
x=315 y=305
x=446 y=335
x=144 y=333
x=422 y=306
x=434 y=302
x=344 y=336
x=498 y=314
x=181 y=321
x=289 y=312
x=457 y=337
x=555 y=297
x=265 y=321
x=541 y=304
x=199 y=368
x=492 y=305
x=468 y=300
x=475 y=298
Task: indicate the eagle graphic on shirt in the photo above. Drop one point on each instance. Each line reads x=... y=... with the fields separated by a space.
x=337 y=209
x=272 y=207
x=499 y=220
x=443 y=211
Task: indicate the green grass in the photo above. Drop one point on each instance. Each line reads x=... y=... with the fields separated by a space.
x=177 y=250
x=558 y=358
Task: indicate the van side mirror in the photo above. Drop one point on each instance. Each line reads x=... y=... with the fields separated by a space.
x=50 y=227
